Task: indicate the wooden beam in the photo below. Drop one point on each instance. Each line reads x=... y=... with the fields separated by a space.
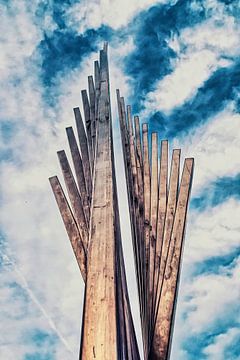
x=135 y=204
x=162 y=205
x=146 y=229
x=170 y=213
x=99 y=335
x=74 y=197
x=164 y=324
x=87 y=117
x=92 y=98
x=79 y=171
x=84 y=151
x=70 y=225
x=153 y=222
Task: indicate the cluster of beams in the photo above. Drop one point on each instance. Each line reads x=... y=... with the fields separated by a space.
x=158 y=209
x=157 y=206
x=92 y=223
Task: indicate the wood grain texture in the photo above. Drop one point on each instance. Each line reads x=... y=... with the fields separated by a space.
x=162 y=205
x=99 y=338
x=170 y=213
x=70 y=225
x=164 y=324
x=84 y=151
x=74 y=197
x=88 y=125
x=146 y=229
x=153 y=225
x=79 y=171
x=135 y=203
x=92 y=100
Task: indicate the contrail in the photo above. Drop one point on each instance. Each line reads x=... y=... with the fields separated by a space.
x=39 y=305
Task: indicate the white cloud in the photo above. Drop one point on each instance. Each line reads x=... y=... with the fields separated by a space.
x=209 y=298
x=92 y=14
x=215 y=147
x=200 y=50
x=221 y=342
x=213 y=232
x=207 y=302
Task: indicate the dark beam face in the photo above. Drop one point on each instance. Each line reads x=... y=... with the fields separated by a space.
x=157 y=208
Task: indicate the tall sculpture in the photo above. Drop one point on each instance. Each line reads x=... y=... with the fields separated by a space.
x=157 y=208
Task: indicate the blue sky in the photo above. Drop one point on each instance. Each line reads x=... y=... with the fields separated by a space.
x=177 y=63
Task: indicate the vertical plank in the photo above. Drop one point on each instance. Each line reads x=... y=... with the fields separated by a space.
x=74 y=197
x=139 y=164
x=92 y=98
x=164 y=324
x=147 y=209
x=70 y=225
x=135 y=190
x=79 y=171
x=84 y=151
x=170 y=213
x=100 y=301
x=153 y=222
x=162 y=205
x=87 y=117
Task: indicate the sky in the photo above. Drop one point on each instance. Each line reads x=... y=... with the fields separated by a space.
x=178 y=64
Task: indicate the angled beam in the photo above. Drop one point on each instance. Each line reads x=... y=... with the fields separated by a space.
x=164 y=324
x=170 y=213
x=146 y=229
x=92 y=98
x=79 y=171
x=87 y=117
x=135 y=189
x=162 y=205
x=84 y=151
x=140 y=224
x=70 y=225
x=153 y=222
x=74 y=197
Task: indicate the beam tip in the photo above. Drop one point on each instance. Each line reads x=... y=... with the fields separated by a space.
x=60 y=153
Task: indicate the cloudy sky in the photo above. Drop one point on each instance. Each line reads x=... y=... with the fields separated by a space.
x=178 y=64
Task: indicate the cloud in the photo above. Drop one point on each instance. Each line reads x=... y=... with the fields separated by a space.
x=216 y=192
x=207 y=311
x=213 y=232
x=93 y=14
x=223 y=342
x=200 y=51
x=215 y=147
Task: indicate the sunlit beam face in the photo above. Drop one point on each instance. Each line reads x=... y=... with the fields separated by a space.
x=177 y=63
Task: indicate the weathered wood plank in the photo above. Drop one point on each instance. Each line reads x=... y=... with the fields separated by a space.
x=104 y=66
x=164 y=324
x=139 y=163
x=84 y=151
x=162 y=205
x=92 y=98
x=98 y=341
x=74 y=197
x=87 y=117
x=70 y=225
x=147 y=214
x=170 y=213
x=135 y=200
x=79 y=171
x=153 y=223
